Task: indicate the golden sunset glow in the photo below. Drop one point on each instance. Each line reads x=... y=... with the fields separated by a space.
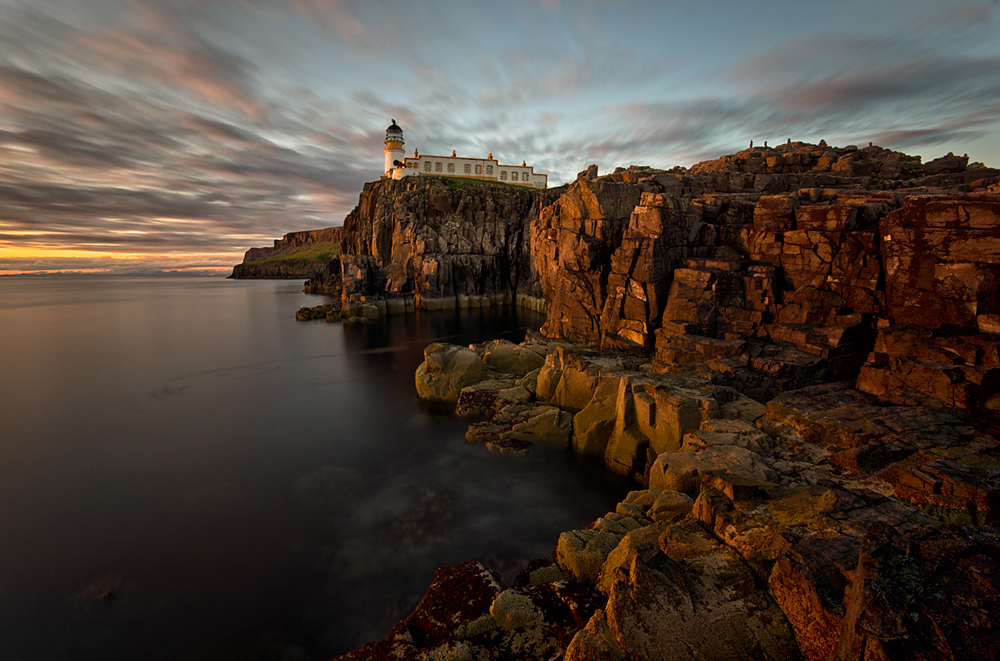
x=19 y=260
x=14 y=252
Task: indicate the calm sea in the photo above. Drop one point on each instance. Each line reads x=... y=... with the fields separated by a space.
x=244 y=486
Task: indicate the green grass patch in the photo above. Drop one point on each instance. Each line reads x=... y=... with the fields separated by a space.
x=314 y=252
x=463 y=182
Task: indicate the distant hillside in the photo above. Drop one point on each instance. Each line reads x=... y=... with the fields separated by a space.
x=296 y=255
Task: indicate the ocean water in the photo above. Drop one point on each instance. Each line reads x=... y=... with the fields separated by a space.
x=244 y=486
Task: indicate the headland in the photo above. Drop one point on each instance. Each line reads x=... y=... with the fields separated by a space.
x=793 y=351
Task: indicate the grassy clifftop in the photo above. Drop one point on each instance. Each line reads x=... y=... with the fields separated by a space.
x=297 y=264
x=292 y=259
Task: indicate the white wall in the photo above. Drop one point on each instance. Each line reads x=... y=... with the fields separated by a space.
x=504 y=173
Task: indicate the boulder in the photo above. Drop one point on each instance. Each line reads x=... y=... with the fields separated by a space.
x=446 y=370
x=685 y=471
x=546 y=425
x=670 y=506
x=582 y=553
x=488 y=397
x=509 y=358
x=512 y=609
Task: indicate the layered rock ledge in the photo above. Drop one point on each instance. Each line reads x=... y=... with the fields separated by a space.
x=824 y=525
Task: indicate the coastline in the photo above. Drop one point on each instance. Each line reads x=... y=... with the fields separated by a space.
x=731 y=544
x=788 y=350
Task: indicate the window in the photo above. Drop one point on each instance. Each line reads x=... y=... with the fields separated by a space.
x=427 y=166
x=503 y=175
x=513 y=176
x=489 y=169
x=437 y=167
x=467 y=168
x=479 y=169
x=451 y=167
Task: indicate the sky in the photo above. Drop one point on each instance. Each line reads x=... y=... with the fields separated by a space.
x=139 y=136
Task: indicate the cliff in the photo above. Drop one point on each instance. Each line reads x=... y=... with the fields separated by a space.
x=296 y=255
x=433 y=243
x=773 y=291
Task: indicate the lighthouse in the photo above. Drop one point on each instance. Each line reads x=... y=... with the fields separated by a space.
x=398 y=166
x=394 y=154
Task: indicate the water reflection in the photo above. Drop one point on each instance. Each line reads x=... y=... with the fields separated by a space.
x=244 y=485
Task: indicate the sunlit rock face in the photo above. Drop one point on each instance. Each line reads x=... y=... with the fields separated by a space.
x=572 y=243
x=778 y=268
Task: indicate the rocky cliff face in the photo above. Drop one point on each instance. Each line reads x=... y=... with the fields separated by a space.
x=774 y=291
x=572 y=243
x=296 y=255
x=438 y=243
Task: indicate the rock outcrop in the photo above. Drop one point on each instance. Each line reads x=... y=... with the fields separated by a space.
x=795 y=352
x=645 y=257
x=295 y=256
x=763 y=530
x=433 y=243
x=774 y=291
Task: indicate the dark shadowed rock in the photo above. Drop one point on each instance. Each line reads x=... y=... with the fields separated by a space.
x=436 y=243
x=932 y=594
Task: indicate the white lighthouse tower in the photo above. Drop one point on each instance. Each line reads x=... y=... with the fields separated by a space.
x=394 y=154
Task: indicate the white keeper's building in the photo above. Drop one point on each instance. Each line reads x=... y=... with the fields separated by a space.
x=398 y=165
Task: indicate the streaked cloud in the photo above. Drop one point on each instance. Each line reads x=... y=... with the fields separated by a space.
x=140 y=135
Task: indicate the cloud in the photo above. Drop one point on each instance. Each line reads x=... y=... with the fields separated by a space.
x=337 y=15
x=209 y=74
x=159 y=145
x=182 y=127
